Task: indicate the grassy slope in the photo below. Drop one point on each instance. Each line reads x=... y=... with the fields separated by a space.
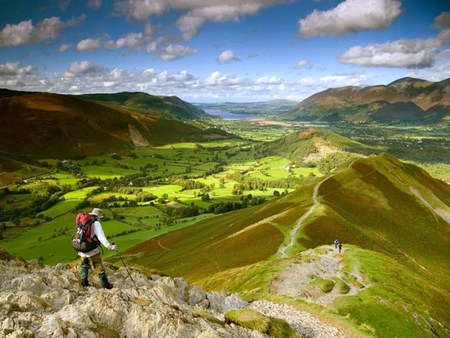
x=61 y=126
x=370 y=205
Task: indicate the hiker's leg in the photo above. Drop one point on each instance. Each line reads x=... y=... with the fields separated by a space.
x=84 y=271
x=100 y=269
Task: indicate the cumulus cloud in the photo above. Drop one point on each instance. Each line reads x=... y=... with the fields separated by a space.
x=190 y=24
x=26 y=33
x=400 y=53
x=172 y=52
x=14 y=68
x=132 y=40
x=88 y=45
x=83 y=68
x=199 y=11
x=227 y=56
x=350 y=16
x=139 y=10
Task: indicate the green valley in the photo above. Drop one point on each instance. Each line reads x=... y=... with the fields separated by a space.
x=249 y=206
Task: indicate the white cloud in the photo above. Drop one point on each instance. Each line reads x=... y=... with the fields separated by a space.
x=140 y=10
x=190 y=24
x=172 y=52
x=400 y=53
x=26 y=33
x=438 y=72
x=83 y=68
x=87 y=77
x=132 y=40
x=14 y=68
x=303 y=64
x=227 y=56
x=272 y=80
x=350 y=16
x=199 y=11
x=64 y=47
x=88 y=45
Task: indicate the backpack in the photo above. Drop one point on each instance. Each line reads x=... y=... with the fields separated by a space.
x=82 y=240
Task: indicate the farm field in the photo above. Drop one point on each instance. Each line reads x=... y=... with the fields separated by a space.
x=144 y=194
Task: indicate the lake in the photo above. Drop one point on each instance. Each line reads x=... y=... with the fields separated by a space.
x=226 y=115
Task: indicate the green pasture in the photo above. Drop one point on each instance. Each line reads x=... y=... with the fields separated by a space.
x=105 y=172
x=60 y=208
x=63 y=178
x=78 y=194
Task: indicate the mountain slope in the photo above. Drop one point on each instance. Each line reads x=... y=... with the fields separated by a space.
x=384 y=211
x=378 y=203
x=61 y=126
x=45 y=301
x=404 y=100
x=163 y=106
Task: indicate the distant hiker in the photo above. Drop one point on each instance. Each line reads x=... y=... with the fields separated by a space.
x=93 y=256
x=336 y=243
x=340 y=247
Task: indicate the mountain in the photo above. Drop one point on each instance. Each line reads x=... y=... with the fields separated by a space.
x=44 y=301
x=404 y=100
x=392 y=217
x=61 y=126
x=163 y=106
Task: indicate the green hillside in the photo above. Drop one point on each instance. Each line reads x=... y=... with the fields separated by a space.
x=163 y=106
x=314 y=144
x=384 y=211
x=62 y=126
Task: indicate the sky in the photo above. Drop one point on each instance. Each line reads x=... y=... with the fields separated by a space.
x=219 y=50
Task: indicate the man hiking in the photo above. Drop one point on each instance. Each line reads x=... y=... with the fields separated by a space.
x=336 y=243
x=93 y=257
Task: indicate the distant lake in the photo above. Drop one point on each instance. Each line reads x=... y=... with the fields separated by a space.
x=226 y=115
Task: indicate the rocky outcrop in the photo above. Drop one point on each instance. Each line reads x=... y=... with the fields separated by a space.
x=43 y=301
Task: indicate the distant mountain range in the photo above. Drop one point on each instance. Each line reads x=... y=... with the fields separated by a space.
x=404 y=100
x=60 y=126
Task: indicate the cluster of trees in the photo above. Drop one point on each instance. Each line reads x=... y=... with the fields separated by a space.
x=253 y=183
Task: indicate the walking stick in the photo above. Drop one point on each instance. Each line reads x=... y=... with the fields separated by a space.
x=129 y=274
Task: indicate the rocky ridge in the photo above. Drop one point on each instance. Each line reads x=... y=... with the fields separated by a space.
x=44 y=301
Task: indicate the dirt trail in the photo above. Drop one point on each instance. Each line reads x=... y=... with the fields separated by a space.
x=282 y=250
x=299 y=279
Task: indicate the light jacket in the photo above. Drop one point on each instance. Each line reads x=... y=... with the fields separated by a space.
x=98 y=231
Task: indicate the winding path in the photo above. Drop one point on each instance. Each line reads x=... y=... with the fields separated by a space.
x=294 y=231
x=282 y=250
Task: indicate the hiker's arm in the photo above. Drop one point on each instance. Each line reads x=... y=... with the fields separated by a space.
x=101 y=235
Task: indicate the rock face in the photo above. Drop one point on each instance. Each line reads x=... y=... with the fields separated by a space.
x=43 y=301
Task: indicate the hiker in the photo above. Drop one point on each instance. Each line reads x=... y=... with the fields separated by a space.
x=93 y=257
x=340 y=247
x=336 y=243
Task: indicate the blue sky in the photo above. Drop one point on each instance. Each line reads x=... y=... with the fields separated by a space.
x=218 y=50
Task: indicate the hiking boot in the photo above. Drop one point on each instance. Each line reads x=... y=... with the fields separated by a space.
x=108 y=286
x=104 y=280
x=84 y=275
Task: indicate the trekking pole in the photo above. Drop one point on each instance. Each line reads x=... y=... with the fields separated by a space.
x=129 y=274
